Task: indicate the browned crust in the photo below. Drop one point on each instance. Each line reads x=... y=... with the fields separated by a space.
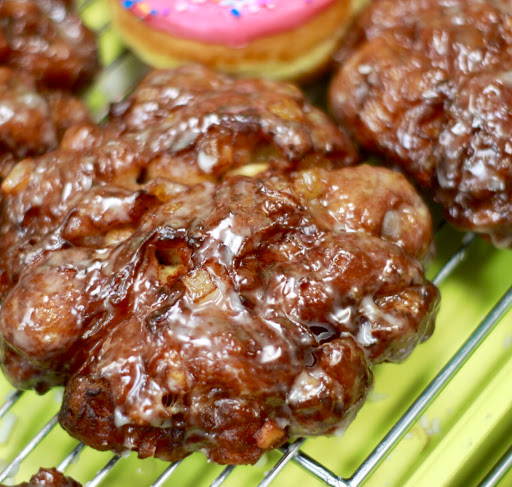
x=289 y=55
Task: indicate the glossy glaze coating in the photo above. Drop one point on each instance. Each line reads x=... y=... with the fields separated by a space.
x=187 y=125
x=217 y=125
x=45 y=39
x=427 y=85
x=193 y=308
x=49 y=477
x=32 y=121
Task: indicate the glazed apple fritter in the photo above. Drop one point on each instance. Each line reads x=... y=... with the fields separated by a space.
x=427 y=85
x=187 y=305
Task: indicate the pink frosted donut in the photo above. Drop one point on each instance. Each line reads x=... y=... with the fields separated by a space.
x=280 y=39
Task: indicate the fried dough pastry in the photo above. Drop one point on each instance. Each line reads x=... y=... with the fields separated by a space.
x=223 y=313
x=427 y=85
x=49 y=477
x=44 y=39
x=205 y=125
x=32 y=121
x=187 y=125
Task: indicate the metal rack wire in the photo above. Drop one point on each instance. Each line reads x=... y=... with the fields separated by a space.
x=118 y=67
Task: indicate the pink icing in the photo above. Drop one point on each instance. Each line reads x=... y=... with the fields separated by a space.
x=234 y=23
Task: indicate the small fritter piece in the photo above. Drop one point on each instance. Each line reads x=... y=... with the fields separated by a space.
x=45 y=39
x=49 y=477
x=32 y=121
x=427 y=85
x=222 y=313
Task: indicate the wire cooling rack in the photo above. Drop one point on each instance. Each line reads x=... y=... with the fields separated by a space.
x=441 y=419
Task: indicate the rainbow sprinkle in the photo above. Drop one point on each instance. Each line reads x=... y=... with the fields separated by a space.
x=237 y=8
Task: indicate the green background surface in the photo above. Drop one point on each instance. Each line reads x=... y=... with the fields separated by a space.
x=454 y=443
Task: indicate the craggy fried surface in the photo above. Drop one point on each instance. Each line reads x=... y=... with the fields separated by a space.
x=205 y=126
x=49 y=477
x=45 y=51
x=187 y=306
x=32 y=121
x=188 y=126
x=427 y=84
x=45 y=39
